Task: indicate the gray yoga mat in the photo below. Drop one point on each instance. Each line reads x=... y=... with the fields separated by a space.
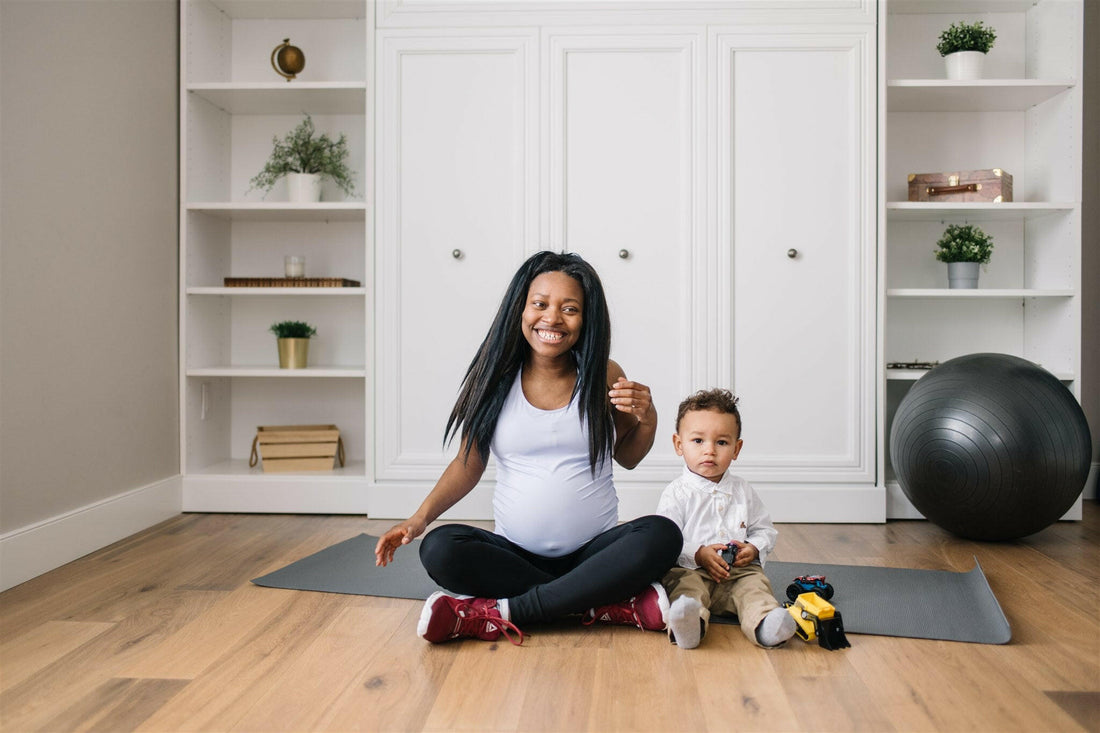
x=348 y=567
x=922 y=604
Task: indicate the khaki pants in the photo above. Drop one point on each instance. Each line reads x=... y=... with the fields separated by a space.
x=746 y=593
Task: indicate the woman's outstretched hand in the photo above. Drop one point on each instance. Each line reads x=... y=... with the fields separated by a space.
x=400 y=534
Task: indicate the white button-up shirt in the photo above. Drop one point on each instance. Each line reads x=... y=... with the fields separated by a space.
x=710 y=513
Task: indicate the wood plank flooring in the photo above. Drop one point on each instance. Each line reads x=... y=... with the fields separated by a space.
x=164 y=632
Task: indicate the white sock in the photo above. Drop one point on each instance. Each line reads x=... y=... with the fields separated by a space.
x=776 y=628
x=685 y=622
x=502 y=606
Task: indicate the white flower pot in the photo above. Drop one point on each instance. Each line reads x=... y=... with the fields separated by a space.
x=962 y=275
x=964 y=65
x=303 y=187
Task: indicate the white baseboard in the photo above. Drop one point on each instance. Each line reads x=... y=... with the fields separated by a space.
x=38 y=548
x=798 y=503
x=399 y=502
x=898 y=505
x=276 y=494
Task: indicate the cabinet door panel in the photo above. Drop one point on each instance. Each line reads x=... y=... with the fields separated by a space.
x=455 y=178
x=797 y=120
x=625 y=142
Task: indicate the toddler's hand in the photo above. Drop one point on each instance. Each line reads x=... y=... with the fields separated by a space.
x=709 y=558
x=746 y=554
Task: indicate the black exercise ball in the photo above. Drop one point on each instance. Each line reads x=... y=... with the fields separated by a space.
x=990 y=447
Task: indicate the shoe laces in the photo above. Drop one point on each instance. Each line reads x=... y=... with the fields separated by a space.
x=616 y=613
x=473 y=618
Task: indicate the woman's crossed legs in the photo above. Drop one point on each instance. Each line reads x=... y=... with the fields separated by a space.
x=615 y=566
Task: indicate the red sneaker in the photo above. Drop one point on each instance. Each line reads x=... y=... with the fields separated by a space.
x=648 y=610
x=446 y=617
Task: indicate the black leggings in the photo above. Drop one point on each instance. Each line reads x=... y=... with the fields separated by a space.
x=611 y=567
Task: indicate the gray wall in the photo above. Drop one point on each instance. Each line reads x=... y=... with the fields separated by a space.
x=88 y=242
x=1090 y=228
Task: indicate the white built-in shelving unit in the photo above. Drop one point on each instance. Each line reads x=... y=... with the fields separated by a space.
x=1023 y=117
x=498 y=67
x=232 y=103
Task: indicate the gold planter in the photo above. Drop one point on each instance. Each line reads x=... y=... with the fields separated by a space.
x=293 y=353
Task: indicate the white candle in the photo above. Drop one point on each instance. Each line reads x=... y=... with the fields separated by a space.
x=295 y=266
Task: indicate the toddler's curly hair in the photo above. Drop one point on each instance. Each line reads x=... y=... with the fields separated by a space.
x=717 y=399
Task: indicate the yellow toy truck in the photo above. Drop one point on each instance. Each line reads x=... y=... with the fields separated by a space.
x=816 y=618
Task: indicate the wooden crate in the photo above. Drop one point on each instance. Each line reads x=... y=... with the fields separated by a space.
x=297 y=448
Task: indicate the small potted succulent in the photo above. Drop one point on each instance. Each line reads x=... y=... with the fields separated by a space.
x=963 y=47
x=963 y=247
x=305 y=159
x=293 y=337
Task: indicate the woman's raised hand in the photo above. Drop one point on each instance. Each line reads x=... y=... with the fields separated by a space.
x=631 y=397
x=399 y=534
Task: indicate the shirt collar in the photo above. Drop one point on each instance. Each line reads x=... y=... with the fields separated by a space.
x=700 y=483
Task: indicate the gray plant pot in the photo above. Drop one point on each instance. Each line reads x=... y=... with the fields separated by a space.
x=962 y=275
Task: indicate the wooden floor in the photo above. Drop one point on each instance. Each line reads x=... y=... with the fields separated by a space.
x=164 y=632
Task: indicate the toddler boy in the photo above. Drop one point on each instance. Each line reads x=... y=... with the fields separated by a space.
x=714 y=508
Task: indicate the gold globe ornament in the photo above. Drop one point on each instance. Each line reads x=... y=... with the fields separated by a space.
x=288 y=61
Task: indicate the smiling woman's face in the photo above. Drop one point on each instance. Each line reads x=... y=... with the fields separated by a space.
x=554 y=314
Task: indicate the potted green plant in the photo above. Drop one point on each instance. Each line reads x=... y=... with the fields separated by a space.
x=964 y=46
x=963 y=247
x=293 y=338
x=305 y=159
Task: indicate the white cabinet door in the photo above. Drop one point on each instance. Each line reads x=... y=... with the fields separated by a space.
x=684 y=164
x=796 y=218
x=457 y=213
x=626 y=170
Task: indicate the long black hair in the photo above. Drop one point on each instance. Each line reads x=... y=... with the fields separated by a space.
x=504 y=350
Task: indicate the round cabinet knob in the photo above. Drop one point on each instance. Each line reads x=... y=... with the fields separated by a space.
x=792 y=253
x=457 y=254
x=624 y=254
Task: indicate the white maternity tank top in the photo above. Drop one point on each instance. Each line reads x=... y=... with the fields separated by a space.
x=547 y=500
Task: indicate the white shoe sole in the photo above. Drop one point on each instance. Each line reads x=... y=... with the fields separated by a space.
x=426 y=611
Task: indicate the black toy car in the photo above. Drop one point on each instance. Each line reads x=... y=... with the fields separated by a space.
x=730 y=553
x=809 y=584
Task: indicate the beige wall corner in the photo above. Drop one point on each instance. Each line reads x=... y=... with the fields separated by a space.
x=89 y=243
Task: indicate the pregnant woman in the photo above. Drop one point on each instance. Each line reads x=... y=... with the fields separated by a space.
x=545 y=400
